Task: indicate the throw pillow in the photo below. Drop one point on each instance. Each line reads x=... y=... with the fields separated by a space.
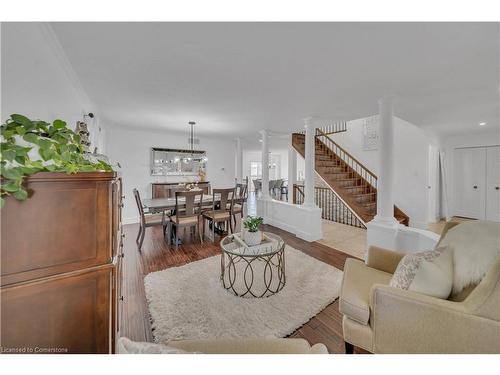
x=428 y=272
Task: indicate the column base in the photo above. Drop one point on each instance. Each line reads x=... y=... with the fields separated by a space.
x=395 y=236
x=385 y=220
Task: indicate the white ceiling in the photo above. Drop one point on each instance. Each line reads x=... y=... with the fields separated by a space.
x=236 y=78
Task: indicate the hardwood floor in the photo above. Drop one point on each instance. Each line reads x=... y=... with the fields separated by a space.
x=326 y=327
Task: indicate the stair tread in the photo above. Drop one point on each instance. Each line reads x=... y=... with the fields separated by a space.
x=336 y=173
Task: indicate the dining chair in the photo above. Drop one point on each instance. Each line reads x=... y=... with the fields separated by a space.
x=188 y=215
x=241 y=195
x=284 y=190
x=257 y=184
x=222 y=209
x=147 y=219
x=272 y=183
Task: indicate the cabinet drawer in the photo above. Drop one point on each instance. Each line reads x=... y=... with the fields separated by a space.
x=64 y=226
x=70 y=313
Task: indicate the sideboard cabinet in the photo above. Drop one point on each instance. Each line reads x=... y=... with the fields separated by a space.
x=61 y=265
x=168 y=189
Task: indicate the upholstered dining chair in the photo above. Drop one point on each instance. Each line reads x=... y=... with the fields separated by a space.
x=222 y=209
x=189 y=214
x=147 y=220
x=241 y=195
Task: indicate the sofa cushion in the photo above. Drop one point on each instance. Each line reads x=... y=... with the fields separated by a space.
x=356 y=286
x=428 y=272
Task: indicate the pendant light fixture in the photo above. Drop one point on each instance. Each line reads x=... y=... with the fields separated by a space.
x=191 y=142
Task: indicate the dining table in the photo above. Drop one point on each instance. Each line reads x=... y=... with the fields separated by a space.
x=156 y=205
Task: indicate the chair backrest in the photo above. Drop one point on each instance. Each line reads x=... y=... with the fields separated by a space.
x=241 y=191
x=175 y=189
x=192 y=202
x=257 y=184
x=139 y=204
x=225 y=197
x=279 y=183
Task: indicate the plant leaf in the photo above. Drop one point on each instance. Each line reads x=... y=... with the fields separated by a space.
x=59 y=124
x=10 y=186
x=23 y=120
x=12 y=173
x=20 y=194
x=31 y=138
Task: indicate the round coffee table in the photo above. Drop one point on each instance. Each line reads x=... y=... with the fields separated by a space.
x=253 y=271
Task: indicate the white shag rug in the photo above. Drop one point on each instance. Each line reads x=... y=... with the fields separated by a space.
x=189 y=302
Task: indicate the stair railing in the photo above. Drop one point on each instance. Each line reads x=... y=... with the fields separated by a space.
x=336 y=127
x=368 y=179
x=332 y=207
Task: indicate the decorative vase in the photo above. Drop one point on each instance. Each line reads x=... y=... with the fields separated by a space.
x=252 y=238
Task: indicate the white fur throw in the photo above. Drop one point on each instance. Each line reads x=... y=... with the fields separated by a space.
x=476 y=245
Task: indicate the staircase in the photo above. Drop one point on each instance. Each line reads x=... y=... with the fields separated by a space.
x=346 y=176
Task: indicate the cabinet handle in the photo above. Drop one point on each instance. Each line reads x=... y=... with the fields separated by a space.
x=123 y=235
x=122 y=255
x=475 y=186
x=121 y=298
x=123 y=196
x=497 y=187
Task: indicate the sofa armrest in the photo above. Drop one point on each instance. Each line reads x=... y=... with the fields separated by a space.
x=409 y=322
x=383 y=259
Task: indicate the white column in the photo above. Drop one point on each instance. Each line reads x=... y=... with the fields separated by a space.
x=292 y=170
x=309 y=162
x=265 y=164
x=385 y=199
x=239 y=161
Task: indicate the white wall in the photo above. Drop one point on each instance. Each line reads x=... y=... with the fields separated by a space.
x=38 y=81
x=131 y=148
x=411 y=152
x=482 y=137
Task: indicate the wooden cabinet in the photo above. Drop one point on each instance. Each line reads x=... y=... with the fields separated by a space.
x=167 y=189
x=60 y=264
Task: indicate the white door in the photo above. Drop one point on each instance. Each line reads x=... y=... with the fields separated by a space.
x=493 y=183
x=469 y=190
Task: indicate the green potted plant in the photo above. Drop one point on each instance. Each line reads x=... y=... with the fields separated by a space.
x=251 y=233
x=28 y=147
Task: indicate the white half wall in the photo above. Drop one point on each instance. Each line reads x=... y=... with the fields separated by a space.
x=38 y=80
x=411 y=150
x=304 y=222
x=132 y=149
